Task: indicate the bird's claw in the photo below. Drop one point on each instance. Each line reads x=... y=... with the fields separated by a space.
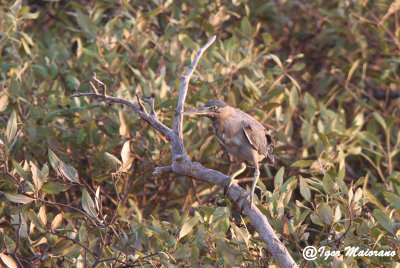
x=227 y=185
x=246 y=196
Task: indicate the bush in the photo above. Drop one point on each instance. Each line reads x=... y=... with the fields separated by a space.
x=76 y=184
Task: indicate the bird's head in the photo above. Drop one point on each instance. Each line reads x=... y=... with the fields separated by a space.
x=212 y=109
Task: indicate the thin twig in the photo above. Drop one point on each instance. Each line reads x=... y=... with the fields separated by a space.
x=167 y=132
x=75 y=242
x=150 y=101
x=184 y=88
x=162 y=170
x=141 y=106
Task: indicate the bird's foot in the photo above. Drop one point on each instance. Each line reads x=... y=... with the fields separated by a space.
x=227 y=185
x=246 y=197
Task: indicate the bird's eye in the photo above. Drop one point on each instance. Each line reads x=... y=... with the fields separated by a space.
x=214 y=107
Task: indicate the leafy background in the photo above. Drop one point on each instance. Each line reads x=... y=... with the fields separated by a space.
x=76 y=184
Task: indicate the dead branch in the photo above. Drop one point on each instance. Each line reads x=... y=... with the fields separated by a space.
x=182 y=164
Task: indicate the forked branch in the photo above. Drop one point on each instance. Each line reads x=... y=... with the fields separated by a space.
x=182 y=164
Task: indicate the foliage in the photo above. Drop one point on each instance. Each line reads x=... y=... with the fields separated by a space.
x=76 y=187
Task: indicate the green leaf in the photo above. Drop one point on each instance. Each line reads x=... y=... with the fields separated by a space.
x=241 y=234
x=26 y=47
x=393 y=199
x=85 y=23
x=35 y=219
x=295 y=83
x=188 y=226
x=305 y=189
x=246 y=28
x=298 y=67
x=276 y=60
x=40 y=70
x=11 y=127
x=72 y=82
x=384 y=220
x=380 y=120
x=302 y=163
x=88 y=204
x=29 y=16
x=251 y=85
x=8 y=261
x=20 y=170
x=82 y=233
x=329 y=185
x=325 y=213
x=19 y=198
x=27 y=38
x=54 y=188
x=69 y=172
x=278 y=180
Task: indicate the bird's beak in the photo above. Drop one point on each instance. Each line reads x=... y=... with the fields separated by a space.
x=197 y=111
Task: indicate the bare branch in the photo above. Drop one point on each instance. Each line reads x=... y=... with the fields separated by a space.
x=152 y=120
x=184 y=88
x=111 y=99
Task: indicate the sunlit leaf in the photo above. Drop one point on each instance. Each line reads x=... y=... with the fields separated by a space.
x=8 y=260
x=11 y=130
x=188 y=226
x=69 y=172
x=42 y=215
x=115 y=162
x=36 y=177
x=56 y=222
x=3 y=102
x=125 y=152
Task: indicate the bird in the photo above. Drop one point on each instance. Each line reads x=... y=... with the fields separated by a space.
x=242 y=136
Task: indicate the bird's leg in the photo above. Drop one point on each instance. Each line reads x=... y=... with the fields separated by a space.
x=228 y=183
x=253 y=187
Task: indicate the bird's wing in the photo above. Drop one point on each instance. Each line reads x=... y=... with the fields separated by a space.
x=259 y=138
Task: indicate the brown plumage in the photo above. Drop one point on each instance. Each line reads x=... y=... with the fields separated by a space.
x=240 y=135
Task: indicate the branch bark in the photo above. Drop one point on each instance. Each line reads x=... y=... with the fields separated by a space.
x=182 y=164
